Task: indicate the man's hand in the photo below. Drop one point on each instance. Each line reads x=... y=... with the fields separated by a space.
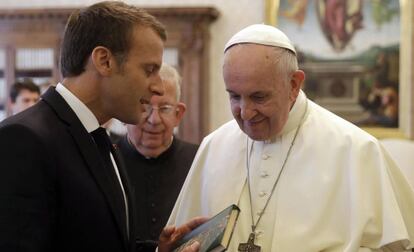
x=170 y=235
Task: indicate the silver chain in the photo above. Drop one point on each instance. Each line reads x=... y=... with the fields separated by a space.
x=254 y=225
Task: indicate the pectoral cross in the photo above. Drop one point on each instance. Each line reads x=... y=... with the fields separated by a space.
x=249 y=246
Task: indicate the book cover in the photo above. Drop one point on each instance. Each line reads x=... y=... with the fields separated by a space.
x=215 y=234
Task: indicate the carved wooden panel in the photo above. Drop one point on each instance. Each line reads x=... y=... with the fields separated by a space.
x=188 y=31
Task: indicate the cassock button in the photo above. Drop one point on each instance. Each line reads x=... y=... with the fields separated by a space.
x=264 y=174
x=152 y=204
x=262 y=193
x=154 y=219
x=265 y=156
x=259 y=233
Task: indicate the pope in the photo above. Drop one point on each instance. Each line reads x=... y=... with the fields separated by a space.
x=305 y=179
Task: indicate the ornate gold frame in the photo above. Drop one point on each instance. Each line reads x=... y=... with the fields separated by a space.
x=271 y=7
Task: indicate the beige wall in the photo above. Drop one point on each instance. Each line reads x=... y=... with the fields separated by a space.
x=406 y=69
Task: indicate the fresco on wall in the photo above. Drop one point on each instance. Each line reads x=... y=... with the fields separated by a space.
x=349 y=50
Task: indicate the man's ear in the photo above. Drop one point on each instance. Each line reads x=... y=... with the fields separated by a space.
x=179 y=113
x=296 y=82
x=103 y=60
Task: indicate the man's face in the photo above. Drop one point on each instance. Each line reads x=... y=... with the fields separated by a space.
x=24 y=100
x=137 y=79
x=153 y=135
x=260 y=97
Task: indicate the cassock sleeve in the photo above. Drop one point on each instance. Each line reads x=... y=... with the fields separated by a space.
x=404 y=196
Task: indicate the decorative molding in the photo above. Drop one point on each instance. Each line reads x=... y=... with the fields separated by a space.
x=187 y=29
x=34 y=14
x=208 y=14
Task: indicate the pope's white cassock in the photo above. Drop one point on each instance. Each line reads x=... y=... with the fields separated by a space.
x=339 y=190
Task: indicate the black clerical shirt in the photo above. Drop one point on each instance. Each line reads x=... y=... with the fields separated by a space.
x=157 y=183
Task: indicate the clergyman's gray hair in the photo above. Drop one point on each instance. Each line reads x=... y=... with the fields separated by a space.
x=167 y=72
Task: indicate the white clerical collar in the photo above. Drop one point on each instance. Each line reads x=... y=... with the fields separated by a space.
x=169 y=146
x=296 y=113
x=295 y=117
x=85 y=115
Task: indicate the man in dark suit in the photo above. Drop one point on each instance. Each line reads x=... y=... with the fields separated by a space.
x=62 y=187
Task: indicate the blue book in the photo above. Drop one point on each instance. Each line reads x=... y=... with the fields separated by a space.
x=215 y=234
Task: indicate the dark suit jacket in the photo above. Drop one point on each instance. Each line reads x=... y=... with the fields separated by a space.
x=55 y=194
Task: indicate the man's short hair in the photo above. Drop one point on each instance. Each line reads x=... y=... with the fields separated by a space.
x=18 y=86
x=109 y=24
x=169 y=73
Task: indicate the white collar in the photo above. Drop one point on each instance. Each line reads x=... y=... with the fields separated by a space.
x=296 y=113
x=85 y=115
x=294 y=118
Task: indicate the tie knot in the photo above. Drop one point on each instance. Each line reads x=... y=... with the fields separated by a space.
x=101 y=139
x=99 y=132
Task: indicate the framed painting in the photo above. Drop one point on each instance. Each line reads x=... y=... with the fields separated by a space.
x=350 y=51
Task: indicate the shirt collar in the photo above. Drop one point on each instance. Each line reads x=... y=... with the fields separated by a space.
x=164 y=155
x=296 y=113
x=295 y=116
x=84 y=114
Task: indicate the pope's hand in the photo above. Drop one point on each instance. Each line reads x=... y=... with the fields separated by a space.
x=170 y=235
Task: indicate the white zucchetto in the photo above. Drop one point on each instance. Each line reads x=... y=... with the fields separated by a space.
x=263 y=35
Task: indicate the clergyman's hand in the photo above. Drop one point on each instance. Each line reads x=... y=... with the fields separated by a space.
x=170 y=235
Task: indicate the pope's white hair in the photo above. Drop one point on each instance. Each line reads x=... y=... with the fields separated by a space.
x=285 y=62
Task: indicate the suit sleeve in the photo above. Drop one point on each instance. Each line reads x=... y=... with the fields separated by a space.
x=27 y=195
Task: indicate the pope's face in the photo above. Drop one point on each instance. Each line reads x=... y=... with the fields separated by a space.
x=260 y=97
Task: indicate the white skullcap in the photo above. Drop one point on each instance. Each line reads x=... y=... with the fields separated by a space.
x=263 y=35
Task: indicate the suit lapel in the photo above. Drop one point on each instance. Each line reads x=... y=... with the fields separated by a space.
x=129 y=192
x=90 y=154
